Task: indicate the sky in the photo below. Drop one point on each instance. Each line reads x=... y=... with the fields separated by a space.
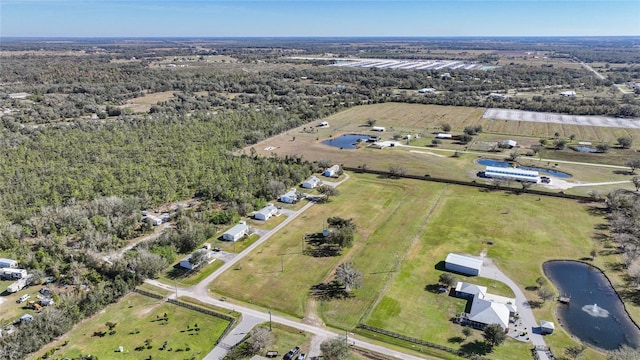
x=317 y=18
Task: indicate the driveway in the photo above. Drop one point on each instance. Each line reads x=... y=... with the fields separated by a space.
x=528 y=322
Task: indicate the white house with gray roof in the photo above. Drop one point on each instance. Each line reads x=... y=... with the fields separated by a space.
x=265 y=213
x=237 y=232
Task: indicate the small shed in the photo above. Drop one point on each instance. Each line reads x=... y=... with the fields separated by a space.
x=265 y=213
x=463 y=264
x=323 y=124
x=547 y=327
x=568 y=93
x=427 y=90
x=444 y=136
x=8 y=263
x=237 y=232
x=290 y=197
x=378 y=128
x=26 y=318
x=311 y=183
x=332 y=171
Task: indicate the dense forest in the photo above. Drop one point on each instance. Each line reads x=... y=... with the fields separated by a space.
x=77 y=165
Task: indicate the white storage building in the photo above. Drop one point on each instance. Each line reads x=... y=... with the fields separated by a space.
x=290 y=197
x=547 y=327
x=311 y=183
x=237 y=232
x=463 y=264
x=332 y=171
x=265 y=213
x=512 y=173
x=186 y=262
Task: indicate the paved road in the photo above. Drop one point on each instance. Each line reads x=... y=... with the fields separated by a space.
x=247 y=323
x=202 y=287
x=264 y=317
x=491 y=271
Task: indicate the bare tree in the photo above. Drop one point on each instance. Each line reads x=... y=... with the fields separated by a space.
x=199 y=258
x=545 y=294
x=625 y=142
x=636 y=182
x=259 y=339
x=397 y=170
x=447 y=279
x=633 y=164
x=349 y=276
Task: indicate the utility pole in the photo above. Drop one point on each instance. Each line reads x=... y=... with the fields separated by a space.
x=270 y=320
x=302 y=245
x=346 y=337
x=281 y=262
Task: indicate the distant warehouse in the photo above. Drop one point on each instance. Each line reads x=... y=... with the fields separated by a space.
x=512 y=174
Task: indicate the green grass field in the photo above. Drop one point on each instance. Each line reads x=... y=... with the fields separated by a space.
x=260 y=279
x=421 y=222
x=465 y=220
x=138 y=318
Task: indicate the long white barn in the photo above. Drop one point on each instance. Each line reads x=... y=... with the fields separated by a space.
x=512 y=173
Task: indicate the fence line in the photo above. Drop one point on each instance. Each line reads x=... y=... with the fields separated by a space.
x=473 y=183
x=228 y=318
x=418 y=341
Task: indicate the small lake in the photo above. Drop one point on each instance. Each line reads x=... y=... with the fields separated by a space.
x=586 y=149
x=346 y=141
x=595 y=314
x=489 y=162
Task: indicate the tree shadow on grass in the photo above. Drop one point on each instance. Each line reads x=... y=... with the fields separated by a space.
x=178 y=272
x=535 y=304
x=433 y=288
x=329 y=291
x=318 y=246
x=476 y=347
x=630 y=295
x=455 y=339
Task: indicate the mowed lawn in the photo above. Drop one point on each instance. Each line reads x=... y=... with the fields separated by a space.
x=378 y=208
x=138 y=318
x=525 y=233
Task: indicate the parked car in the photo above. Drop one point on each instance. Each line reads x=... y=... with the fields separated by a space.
x=290 y=355
x=23 y=298
x=302 y=356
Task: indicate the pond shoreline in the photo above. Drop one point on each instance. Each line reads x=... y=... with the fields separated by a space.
x=564 y=322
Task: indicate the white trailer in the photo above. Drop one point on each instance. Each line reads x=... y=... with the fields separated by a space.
x=17 y=286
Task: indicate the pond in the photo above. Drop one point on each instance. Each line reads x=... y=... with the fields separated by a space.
x=348 y=141
x=585 y=149
x=595 y=313
x=490 y=162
